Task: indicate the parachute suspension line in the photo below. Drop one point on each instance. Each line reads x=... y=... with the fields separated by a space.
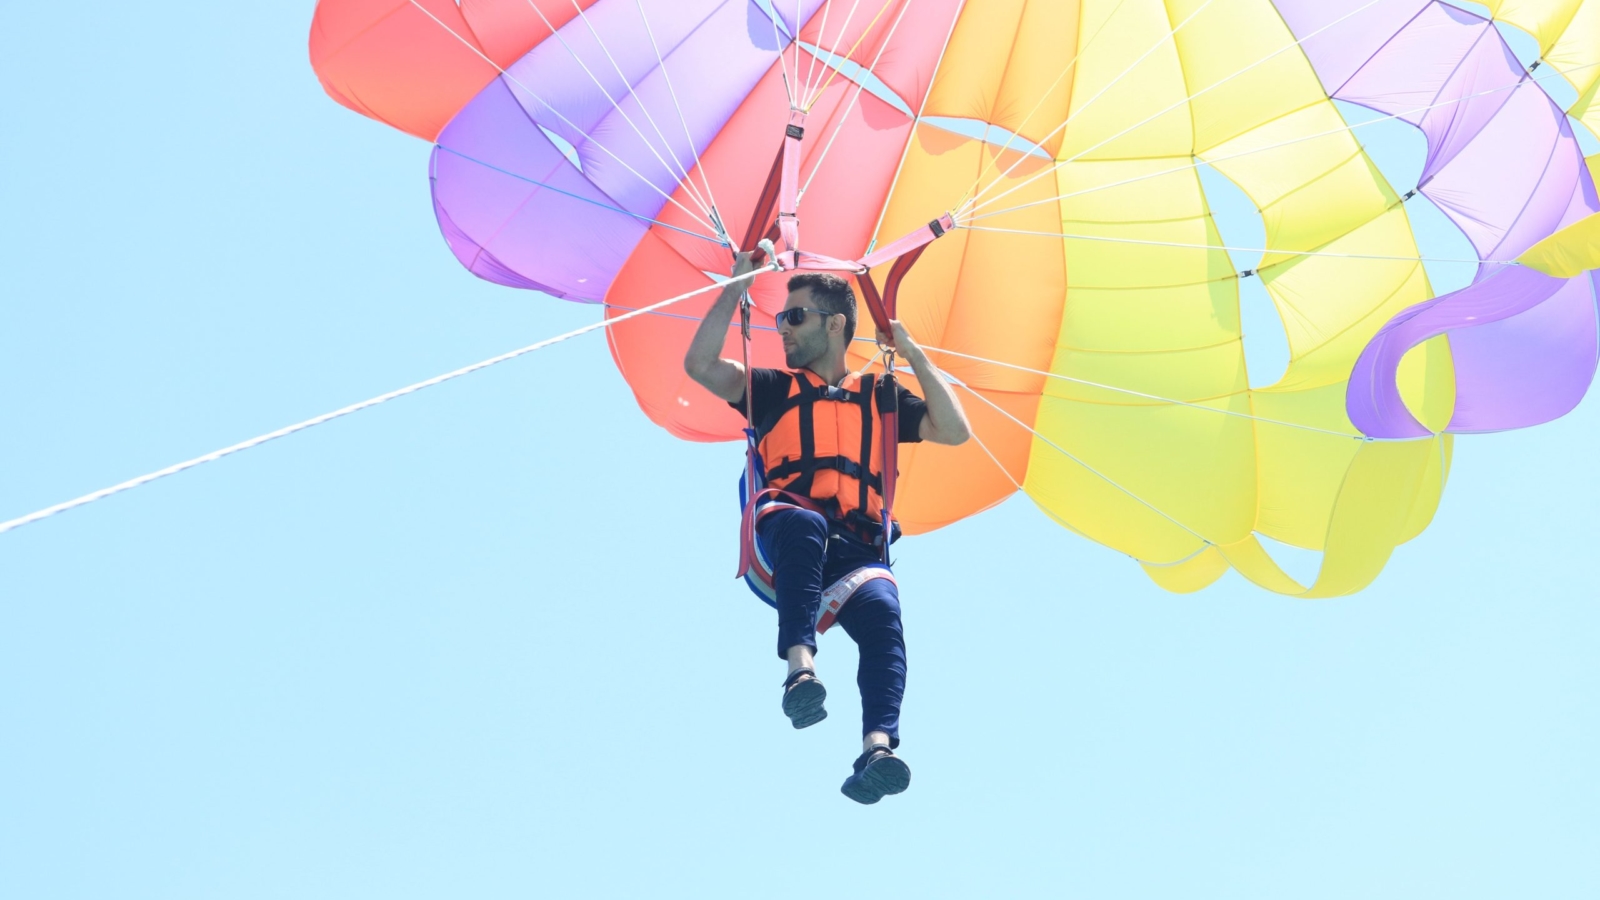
x=1344 y=129
x=710 y=207
x=1159 y=399
x=257 y=441
x=1261 y=250
x=683 y=120
x=811 y=64
x=798 y=27
x=777 y=41
x=911 y=134
x=871 y=361
x=833 y=71
x=1151 y=118
x=822 y=37
x=550 y=187
x=977 y=190
x=753 y=480
x=973 y=433
x=1075 y=458
x=854 y=98
x=529 y=91
x=1071 y=64
x=822 y=34
x=680 y=173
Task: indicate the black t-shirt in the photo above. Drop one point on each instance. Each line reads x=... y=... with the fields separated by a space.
x=770 y=387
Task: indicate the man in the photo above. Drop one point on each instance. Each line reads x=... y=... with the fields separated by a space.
x=830 y=530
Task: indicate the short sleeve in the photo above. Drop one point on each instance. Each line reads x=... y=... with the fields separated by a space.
x=912 y=409
x=768 y=388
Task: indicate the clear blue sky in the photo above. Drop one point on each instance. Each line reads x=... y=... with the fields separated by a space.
x=484 y=642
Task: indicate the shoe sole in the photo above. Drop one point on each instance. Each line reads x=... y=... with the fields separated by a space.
x=803 y=704
x=889 y=775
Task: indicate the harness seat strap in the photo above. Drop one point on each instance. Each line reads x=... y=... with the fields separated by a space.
x=837 y=594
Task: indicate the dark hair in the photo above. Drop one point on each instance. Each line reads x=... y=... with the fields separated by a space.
x=832 y=293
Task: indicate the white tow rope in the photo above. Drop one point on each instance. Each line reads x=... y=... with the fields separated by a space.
x=257 y=441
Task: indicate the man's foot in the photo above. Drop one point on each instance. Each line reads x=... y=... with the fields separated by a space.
x=878 y=773
x=803 y=695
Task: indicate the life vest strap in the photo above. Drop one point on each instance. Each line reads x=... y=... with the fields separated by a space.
x=869 y=481
x=806 y=392
x=804 y=396
x=844 y=465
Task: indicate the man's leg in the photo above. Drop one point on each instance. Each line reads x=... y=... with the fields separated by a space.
x=872 y=619
x=795 y=541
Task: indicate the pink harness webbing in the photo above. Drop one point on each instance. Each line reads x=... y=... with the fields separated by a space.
x=780 y=200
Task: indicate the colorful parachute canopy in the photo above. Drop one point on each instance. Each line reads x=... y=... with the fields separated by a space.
x=1085 y=304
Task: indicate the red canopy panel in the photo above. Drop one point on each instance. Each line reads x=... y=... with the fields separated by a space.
x=413 y=64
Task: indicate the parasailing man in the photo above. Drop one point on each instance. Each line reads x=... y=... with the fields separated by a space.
x=813 y=423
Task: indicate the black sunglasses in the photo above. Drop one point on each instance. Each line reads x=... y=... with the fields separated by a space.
x=796 y=315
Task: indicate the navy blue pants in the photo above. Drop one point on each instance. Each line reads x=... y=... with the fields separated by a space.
x=804 y=561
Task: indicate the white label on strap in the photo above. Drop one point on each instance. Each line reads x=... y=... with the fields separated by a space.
x=833 y=599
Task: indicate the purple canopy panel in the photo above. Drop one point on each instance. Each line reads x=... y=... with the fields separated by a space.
x=517 y=211
x=1504 y=166
x=1373 y=398
x=1529 y=368
x=1344 y=35
x=1532 y=366
x=632 y=150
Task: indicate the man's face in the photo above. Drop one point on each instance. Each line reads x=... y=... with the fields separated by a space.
x=807 y=342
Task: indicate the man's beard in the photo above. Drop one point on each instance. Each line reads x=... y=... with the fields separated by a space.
x=801 y=354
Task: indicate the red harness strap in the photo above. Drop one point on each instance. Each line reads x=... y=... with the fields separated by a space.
x=775 y=216
x=768 y=500
x=766 y=204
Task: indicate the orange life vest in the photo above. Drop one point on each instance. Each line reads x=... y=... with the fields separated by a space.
x=814 y=444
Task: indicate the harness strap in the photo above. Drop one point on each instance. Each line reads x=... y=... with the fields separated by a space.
x=768 y=500
x=922 y=237
x=904 y=252
x=778 y=204
x=808 y=437
x=889 y=413
x=844 y=465
x=827 y=392
x=761 y=220
x=789 y=192
x=835 y=596
x=865 y=404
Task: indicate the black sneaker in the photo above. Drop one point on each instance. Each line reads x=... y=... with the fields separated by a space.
x=803 y=696
x=878 y=773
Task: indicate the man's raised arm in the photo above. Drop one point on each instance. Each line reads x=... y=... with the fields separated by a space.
x=704 y=362
x=946 y=421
